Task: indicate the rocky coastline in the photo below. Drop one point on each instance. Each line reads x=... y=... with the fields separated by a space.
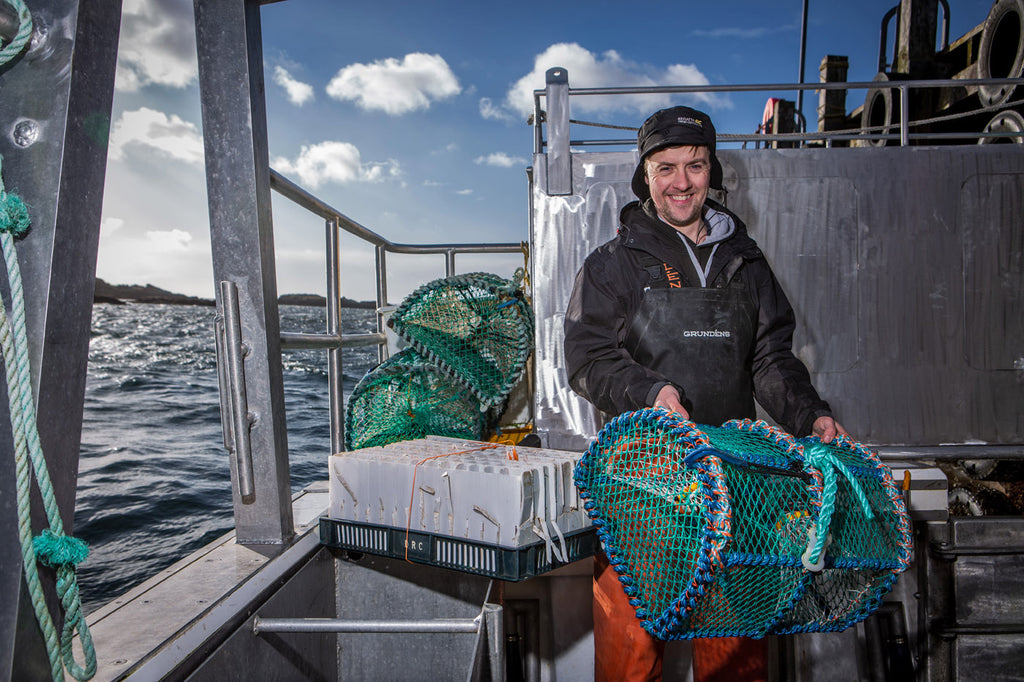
x=123 y=294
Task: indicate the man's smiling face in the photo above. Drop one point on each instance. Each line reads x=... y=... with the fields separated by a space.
x=679 y=178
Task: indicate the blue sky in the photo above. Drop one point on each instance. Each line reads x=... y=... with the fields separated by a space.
x=411 y=117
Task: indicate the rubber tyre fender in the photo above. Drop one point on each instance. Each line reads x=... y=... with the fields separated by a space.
x=1001 y=50
x=881 y=109
x=1008 y=122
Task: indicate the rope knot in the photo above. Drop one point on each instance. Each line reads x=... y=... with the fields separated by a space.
x=59 y=550
x=13 y=215
x=821 y=457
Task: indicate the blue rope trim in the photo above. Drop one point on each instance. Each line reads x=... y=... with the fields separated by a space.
x=733 y=559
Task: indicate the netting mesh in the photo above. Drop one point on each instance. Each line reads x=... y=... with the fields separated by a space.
x=407 y=397
x=478 y=328
x=713 y=530
x=470 y=338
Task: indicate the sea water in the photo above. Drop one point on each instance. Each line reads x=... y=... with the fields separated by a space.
x=154 y=476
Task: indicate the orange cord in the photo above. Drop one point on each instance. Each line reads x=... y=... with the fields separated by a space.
x=412 y=493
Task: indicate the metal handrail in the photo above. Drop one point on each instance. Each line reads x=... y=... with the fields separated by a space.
x=815 y=137
x=904 y=87
x=948 y=453
x=304 y=199
x=340 y=625
x=286 y=188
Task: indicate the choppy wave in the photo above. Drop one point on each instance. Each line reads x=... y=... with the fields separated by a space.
x=154 y=478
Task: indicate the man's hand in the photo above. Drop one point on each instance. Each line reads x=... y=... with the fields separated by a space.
x=668 y=398
x=825 y=428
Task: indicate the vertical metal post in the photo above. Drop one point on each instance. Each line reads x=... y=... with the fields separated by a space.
x=231 y=84
x=494 y=626
x=54 y=125
x=538 y=134
x=336 y=399
x=904 y=116
x=380 y=256
x=803 y=58
x=449 y=263
x=559 y=175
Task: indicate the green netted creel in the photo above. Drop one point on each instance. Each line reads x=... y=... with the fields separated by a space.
x=742 y=529
x=478 y=328
x=408 y=397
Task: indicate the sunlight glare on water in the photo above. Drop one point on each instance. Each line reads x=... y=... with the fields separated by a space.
x=154 y=479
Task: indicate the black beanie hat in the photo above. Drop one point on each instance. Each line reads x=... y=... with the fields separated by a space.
x=675 y=127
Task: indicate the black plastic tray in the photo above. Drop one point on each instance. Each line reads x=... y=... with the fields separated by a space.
x=457 y=554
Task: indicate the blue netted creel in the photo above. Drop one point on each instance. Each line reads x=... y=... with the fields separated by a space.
x=743 y=530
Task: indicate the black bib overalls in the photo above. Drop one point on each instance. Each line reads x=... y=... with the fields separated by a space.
x=700 y=339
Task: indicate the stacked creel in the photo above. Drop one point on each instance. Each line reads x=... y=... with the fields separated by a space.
x=742 y=530
x=469 y=338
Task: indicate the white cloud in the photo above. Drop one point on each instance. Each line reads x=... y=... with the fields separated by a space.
x=172 y=259
x=338 y=162
x=298 y=92
x=464 y=192
x=589 y=70
x=169 y=240
x=501 y=159
x=170 y=135
x=396 y=87
x=157 y=45
x=489 y=111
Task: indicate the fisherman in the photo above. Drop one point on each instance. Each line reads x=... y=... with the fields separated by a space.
x=682 y=311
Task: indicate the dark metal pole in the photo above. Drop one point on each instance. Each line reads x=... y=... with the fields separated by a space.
x=55 y=121
x=803 y=56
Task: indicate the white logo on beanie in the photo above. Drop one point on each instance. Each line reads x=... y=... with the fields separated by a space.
x=690 y=121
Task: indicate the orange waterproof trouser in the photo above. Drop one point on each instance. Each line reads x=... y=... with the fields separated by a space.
x=625 y=651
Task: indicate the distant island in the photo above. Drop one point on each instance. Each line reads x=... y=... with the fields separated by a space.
x=120 y=294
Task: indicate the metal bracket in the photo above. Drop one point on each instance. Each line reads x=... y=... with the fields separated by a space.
x=236 y=420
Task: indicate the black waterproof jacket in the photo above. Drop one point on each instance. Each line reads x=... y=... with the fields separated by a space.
x=608 y=292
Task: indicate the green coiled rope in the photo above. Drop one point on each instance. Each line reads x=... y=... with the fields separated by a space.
x=14 y=48
x=52 y=547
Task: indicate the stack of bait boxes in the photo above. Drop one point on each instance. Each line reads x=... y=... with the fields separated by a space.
x=484 y=508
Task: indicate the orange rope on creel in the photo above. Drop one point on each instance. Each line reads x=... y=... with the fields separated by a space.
x=412 y=493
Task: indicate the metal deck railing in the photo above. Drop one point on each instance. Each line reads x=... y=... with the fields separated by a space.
x=903 y=126
x=333 y=340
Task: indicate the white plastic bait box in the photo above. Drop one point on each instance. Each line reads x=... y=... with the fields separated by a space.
x=499 y=510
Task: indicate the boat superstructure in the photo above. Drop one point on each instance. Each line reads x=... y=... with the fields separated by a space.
x=903 y=261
